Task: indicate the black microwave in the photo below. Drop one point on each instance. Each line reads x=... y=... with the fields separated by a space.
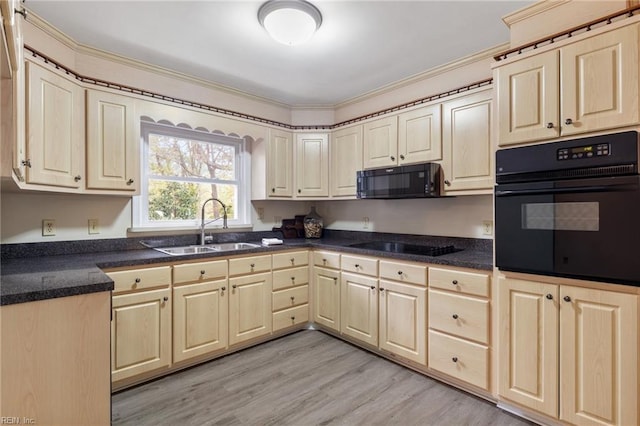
x=414 y=181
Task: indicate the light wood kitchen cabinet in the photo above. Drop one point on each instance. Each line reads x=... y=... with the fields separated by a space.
x=569 y=352
x=113 y=135
x=403 y=322
x=359 y=307
x=200 y=309
x=312 y=165
x=140 y=333
x=420 y=135
x=380 y=143
x=460 y=324
x=55 y=361
x=280 y=164
x=290 y=297
x=326 y=283
x=346 y=160
x=584 y=86
x=12 y=26
x=250 y=312
x=467 y=158
x=55 y=129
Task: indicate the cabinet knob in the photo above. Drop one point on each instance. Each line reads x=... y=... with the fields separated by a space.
x=273 y=190
x=165 y=299
x=357 y=265
x=454 y=282
x=401 y=157
x=393 y=158
x=234 y=286
x=293 y=279
x=454 y=359
x=335 y=280
x=26 y=163
x=130 y=182
x=549 y=296
x=399 y=272
x=223 y=288
x=137 y=280
x=568 y=121
x=77 y=178
x=566 y=299
x=293 y=299
x=293 y=261
x=446 y=182
x=202 y=272
x=549 y=125
x=455 y=316
x=253 y=265
x=381 y=289
x=293 y=318
x=324 y=261
x=373 y=287
x=299 y=191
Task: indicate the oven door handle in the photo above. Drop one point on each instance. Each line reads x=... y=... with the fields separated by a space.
x=580 y=189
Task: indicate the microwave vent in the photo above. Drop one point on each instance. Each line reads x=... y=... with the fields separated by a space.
x=620 y=170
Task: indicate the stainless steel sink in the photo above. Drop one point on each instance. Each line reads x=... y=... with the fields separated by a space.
x=184 y=250
x=233 y=246
x=210 y=248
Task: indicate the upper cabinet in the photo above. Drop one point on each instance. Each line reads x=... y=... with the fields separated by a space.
x=467 y=159
x=12 y=26
x=312 y=165
x=584 y=86
x=280 y=164
x=346 y=160
x=407 y=138
x=112 y=142
x=55 y=129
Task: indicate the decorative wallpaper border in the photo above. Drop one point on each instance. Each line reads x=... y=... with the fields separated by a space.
x=133 y=90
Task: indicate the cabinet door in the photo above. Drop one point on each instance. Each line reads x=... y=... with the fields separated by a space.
x=403 y=324
x=200 y=319
x=599 y=78
x=528 y=99
x=467 y=160
x=140 y=333
x=420 y=135
x=598 y=357
x=280 y=164
x=327 y=298
x=55 y=129
x=359 y=303
x=312 y=165
x=112 y=142
x=380 y=143
x=528 y=344
x=249 y=307
x=346 y=160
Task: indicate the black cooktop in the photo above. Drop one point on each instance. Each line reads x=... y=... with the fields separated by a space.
x=406 y=248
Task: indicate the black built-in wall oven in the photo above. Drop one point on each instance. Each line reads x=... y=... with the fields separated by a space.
x=570 y=209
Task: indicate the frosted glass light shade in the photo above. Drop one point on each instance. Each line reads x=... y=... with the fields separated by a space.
x=290 y=22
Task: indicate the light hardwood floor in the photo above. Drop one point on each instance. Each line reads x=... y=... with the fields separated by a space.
x=307 y=378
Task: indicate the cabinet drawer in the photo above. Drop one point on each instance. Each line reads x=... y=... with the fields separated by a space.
x=290 y=317
x=404 y=272
x=201 y=271
x=459 y=358
x=249 y=265
x=463 y=316
x=326 y=259
x=291 y=297
x=290 y=277
x=477 y=284
x=140 y=279
x=360 y=265
x=290 y=259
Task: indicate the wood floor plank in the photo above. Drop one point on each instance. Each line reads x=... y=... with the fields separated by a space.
x=307 y=378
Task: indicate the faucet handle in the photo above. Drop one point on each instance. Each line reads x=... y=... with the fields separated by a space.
x=208 y=239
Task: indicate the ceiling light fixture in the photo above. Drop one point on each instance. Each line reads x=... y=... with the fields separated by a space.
x=290 y=22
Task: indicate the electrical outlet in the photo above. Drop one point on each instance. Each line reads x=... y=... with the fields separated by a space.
x=365 y=222
x=94 y=226
x=260 y=211
x=487 y=227
x=277 y=220
x=48 y=227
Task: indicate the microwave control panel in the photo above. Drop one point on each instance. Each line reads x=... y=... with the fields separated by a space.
x=585 y=151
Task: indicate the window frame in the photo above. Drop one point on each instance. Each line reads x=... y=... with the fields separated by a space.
x=140 y=203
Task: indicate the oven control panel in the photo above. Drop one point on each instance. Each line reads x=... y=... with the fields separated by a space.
x=586 y=151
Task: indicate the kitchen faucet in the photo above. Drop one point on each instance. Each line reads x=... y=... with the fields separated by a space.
x=203 y=223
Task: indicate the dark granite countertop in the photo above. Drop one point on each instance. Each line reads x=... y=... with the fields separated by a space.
x=31 y=272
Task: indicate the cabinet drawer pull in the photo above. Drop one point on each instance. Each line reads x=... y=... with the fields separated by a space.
x=549 y=296
x=234 y=286
x=202 y=272
x=381 y=289
x=400 y=272
x=566 y=299
x=293 y=298
x=293 y=318
x=455 y=316
x=293 y=279
x=373 y=287
x=137 y=280
x=454 y=359
x=549 y=125
x=165 y=299
x=335 y=280
x=357 y=265
x=77 y=178
x=454 y=282
x=223 y=288
x=293 y=261
x=568 y=121
x=253 y=265
x=130 y=182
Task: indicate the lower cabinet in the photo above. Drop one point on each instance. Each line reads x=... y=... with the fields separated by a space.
x=569 y=352
x=327 y=297
x=359 y=307
x=249 y=307
x=140 y=333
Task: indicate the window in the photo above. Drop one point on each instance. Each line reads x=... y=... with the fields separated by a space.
x=181 y=169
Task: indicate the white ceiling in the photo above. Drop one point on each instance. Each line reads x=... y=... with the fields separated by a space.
x=360 y=47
